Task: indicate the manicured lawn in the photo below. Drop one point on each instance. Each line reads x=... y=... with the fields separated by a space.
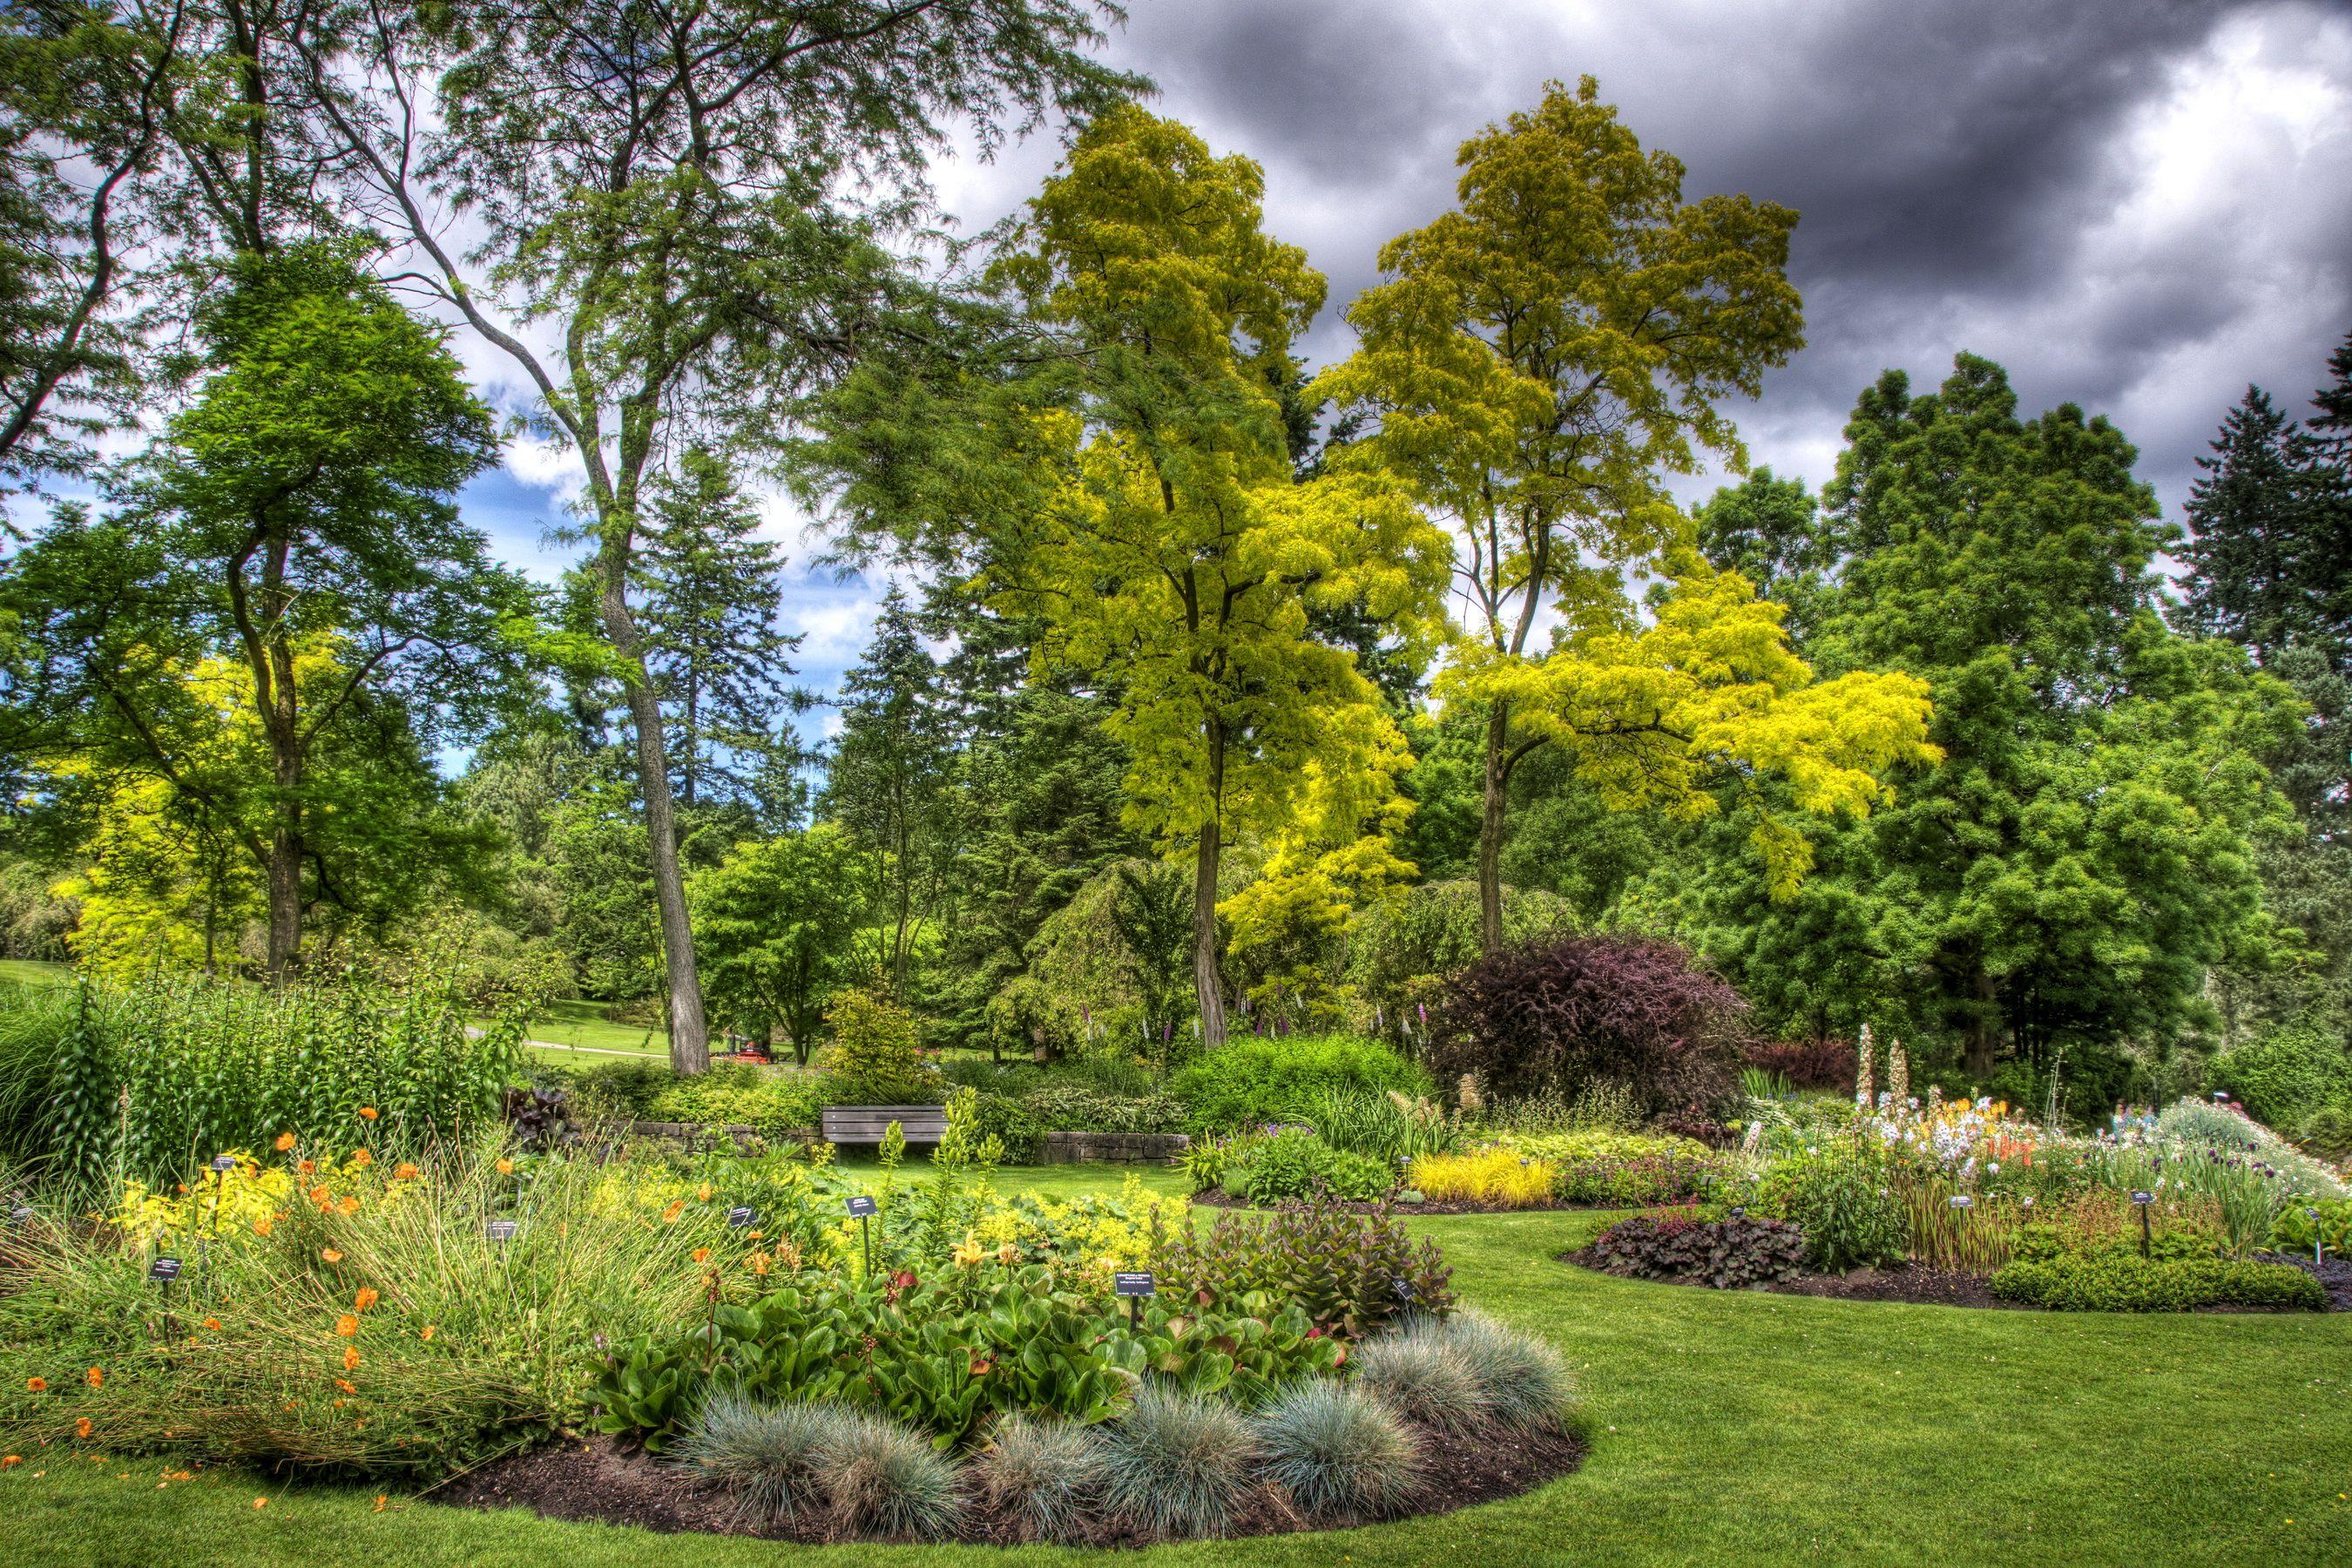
x=584 y=1023
x=1726 y=1428
x=35 y=972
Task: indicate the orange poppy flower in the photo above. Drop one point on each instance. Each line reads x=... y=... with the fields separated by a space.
x=703 y=1191
x=404 y=1171
x=9 y=1461
x=702 y=1255
x=367 y=1114
x=349 y=1205
x=361 y=1158
x=96 y=1376
x=669 y=1215
x=331 y=1254
x=759 y=1263
x=259 y=1503
x=307 y=1166
x=365 y=1299
x=82 y=1427
x=36 y=1384
x=213 y=1324
x=505 y=1167
x=381 y=1499
x=284 y=1141
x=321 y=1196
x=425 y=1333
x=346 y=1386
x=347 y=1326
x=351 y=1358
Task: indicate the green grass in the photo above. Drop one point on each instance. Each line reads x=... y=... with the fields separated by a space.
x=35 y=972
x=1726 y=1428
x=1055 y=1181
x=584 y=1023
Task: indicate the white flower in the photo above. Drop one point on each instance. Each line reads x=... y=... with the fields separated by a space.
x=1994 y=1167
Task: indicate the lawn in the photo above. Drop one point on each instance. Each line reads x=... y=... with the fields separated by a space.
x=35 y=972
x=1724 y=1427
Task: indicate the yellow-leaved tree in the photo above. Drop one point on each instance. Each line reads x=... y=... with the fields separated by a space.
x=1162 y=542
x=1537 y=361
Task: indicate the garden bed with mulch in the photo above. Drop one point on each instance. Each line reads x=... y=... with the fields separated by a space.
x=602 y=1480
x=1923 y=1287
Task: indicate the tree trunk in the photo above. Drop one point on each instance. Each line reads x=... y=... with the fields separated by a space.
x=1490 y=829
x=1208 y=987
x=1984 y=1032
x=690 y=1040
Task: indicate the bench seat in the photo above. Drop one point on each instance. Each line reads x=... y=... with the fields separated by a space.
x=871 y=1123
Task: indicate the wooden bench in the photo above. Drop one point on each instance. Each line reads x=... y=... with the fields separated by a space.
x=871 y=1123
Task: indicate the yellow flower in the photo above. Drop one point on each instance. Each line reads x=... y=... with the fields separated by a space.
x=703 y=1191
x=261 y=1225
x=969 y=1253
x=365 y=1299
x=759 y=1263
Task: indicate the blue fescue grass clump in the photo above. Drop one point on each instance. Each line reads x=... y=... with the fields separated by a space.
x=1343 y=1454
x=885 y=1478
x=1523 y=1380
x=1049 y=1476
x=765 y=1455
x=1179 y=1465
x=1419 y=1372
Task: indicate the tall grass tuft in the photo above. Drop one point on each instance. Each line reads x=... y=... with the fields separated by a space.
x=1050 y=1477
x=765 y=1455
x=1524 y=1382
x=1179 y=1465
x=1343 y=1454
x=885 y=1477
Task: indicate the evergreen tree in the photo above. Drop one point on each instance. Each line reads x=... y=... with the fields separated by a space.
x=711 y=589
x=2258 y=558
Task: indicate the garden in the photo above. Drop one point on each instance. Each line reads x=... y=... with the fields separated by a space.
x=771 y=794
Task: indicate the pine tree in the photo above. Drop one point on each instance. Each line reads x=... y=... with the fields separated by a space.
x=2254 y=567
x=709 y=620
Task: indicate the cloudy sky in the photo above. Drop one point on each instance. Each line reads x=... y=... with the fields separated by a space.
x=2140 y=205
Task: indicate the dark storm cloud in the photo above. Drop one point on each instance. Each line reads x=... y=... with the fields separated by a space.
x=2018 y=177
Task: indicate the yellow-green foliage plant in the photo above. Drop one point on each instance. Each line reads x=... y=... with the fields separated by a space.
x=1498 y=1178
x=374 y=1323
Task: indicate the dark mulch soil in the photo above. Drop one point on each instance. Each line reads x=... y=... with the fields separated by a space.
x=2334 y=1276
x=600 y=1479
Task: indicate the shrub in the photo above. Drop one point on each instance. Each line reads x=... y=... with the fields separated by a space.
x=1179 y=1465
x=765 y=1454
x=1399 y=949
x=1295 y=1162
x=2327 y=1132
x=2125 y=1282
x=2286 y=1074
x=1420 y=1374
x=1624 y=1170
x=1049 y=1476
x=1822 y=1061
x=1246 y=1083
x=737 y=1094
x=881 y=1477
x=1727 y=1254
x=1495 y=1177
x=1527 y=1384
x=875 y=1057
x=1349 y=1272
x=1209 y=1160
x=1342 y=1455
x=1555 y=1014
x=1841 y=1199
x=1073 y=1104
x=2296 y=1230
x=1390 y=1127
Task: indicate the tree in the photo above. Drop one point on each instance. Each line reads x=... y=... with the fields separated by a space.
x=304 y=498
x=2261 y=566
x=778 y=922
x=2067 y=873
x=1168 y=546
x=890 y=778
x=1538 y=358
x=712 y=649
x=1767 y=531
x=668 y=188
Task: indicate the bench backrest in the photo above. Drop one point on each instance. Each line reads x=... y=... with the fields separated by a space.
x=871 y=1123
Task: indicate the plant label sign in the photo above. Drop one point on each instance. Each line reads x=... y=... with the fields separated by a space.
x=501 y=1229
x=2142 y=1199
x=1138 y=1284
x=742 y=1216
x=164 y=1271
x=1962 y=1201
x=863 y=1207
x=224 y=1162
x=23 y=1213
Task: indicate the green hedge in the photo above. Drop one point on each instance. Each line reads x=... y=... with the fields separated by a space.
x=1247 y=1082
x=2125 y=1282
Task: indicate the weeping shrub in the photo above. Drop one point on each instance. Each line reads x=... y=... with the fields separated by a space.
x=1558 y=1014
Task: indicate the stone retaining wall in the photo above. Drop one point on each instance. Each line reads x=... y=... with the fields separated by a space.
x=1114 y=1148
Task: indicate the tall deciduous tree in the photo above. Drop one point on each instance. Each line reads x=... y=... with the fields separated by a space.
x=662 y=186
x=779 y=922
x=304 y=497
x=1540 y=359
